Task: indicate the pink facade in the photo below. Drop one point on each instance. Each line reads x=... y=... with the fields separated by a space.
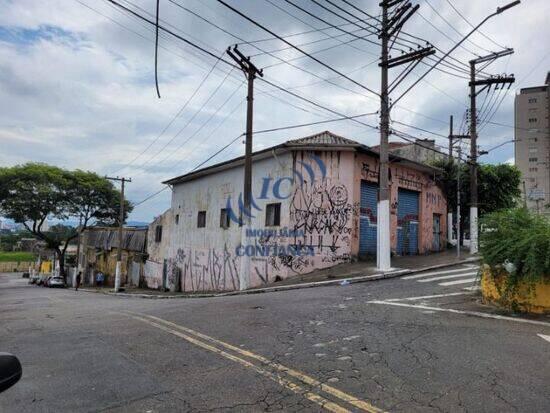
x=431 y=197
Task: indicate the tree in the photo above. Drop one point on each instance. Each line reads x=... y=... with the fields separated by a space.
x=498 y=187
x=34 y=192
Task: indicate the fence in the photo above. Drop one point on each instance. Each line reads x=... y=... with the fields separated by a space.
x=16 y=266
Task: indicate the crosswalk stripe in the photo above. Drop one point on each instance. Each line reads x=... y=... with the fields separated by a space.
x=444 y=277
x=472 y=288
x=467 y=280
x=427 y=274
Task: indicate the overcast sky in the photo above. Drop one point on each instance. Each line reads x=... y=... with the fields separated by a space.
x=77 y=80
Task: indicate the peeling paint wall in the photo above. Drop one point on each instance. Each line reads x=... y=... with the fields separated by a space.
x=319 y=218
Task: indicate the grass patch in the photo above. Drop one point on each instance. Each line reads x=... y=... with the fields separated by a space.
x=16 y=256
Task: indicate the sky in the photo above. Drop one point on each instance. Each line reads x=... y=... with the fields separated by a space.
x=77 y=84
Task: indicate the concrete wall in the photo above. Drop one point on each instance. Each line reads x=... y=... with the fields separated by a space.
x=156 y=250
x=206 y=258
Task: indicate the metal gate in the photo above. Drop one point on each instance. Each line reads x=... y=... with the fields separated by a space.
x=367 y=218
x=437 y=232
x=407 y=222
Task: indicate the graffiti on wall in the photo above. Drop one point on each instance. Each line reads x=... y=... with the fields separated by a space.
x=323 y=213
x=195 y=270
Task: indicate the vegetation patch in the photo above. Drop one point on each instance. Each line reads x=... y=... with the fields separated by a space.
x=16 y=256
x=515 y=244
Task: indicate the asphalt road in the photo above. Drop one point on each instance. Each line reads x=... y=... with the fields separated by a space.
x=406 y=344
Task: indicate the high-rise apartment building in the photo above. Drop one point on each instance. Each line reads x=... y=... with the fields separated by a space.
x=532 y=144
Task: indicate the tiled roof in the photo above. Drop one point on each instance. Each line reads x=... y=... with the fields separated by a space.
x=323 y=138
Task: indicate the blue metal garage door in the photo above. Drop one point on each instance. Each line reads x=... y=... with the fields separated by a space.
x=407 y=222
x=367 y=218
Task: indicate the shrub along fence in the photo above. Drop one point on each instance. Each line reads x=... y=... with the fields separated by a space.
x=515 y=248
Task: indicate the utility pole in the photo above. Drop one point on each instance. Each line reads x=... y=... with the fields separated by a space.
x=383 y=234
x=250 y=71
x=390 y=28
x=120 y=225
x=500 y=80
x=458 y=219
x=451 y=137
x=79 y=240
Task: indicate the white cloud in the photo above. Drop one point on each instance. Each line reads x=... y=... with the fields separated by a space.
x=77 y=89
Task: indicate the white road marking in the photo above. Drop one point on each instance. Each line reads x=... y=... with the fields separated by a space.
x=470 y=313
x=472 y=288
x=445 y=277
x=466 y=281
x=426 y=297
x=544 y=337
x=427 y=274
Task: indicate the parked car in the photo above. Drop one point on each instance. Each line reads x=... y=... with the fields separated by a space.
x=56 y=282
x=46 y=280
x=34 y=279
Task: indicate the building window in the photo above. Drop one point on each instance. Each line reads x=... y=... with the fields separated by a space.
x=533 y=159
x=533 y=140
x=532 y=120
x=533 y=169
x=532 y=100
x=532 y=150
x=224 y=218
x=273 y=215
x=201 y=219
x=158 y=233
x=177 y=219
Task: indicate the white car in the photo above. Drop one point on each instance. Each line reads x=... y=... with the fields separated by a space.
x=56 y=282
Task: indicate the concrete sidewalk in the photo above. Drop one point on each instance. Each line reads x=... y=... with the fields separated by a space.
x=356 y=272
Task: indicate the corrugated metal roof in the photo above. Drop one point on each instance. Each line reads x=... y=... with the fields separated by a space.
x=323 y=138
x=107 y=239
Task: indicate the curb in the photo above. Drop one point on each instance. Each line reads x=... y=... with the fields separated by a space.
x=352 y=279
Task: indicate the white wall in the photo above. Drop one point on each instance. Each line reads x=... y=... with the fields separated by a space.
x=207 y=256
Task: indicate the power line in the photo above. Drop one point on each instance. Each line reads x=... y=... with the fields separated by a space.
x=195 y=114
x=176 y=116
x=454 y=29
x=282 y=61
x=259 y=132
x=296 y=47
x=202 y=125
x=472 y=26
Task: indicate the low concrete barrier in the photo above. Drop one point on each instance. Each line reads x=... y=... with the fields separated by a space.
x=526 y=297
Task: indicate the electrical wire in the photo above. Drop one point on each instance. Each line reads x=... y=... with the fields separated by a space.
x=244 y=16
x=472 y=26
x=176 y=116
x=454 y=29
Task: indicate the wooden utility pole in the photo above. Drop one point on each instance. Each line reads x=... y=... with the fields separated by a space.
x=500 y=80
x=120 y=225
x=250 y=71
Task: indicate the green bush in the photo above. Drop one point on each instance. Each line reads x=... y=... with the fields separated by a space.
x=520 y=237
